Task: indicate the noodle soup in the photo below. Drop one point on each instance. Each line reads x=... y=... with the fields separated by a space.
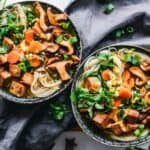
x=111 y=97
x=37 y=50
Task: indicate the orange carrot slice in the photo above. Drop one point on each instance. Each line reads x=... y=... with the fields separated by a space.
x=29 y=36
x=36 y=47
x=125 y=93
x=13 y=57
x=126 y=75
x=117 y=102
x=106 y=75
x=35 y=62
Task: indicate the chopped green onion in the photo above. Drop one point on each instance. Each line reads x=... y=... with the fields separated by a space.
x=109 y=8
x=59 y=39
x=130 y=29
x=3 y=49
x=66 y=25
x=118 y=34
x=65 y=57
x=73 y=40
x=57 y=110
x=24 y=66
x=141 y=127
x=147 y=87
x=137 y=132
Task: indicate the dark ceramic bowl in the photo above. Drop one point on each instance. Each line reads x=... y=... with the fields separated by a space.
x=88 y=127
x=78 y=51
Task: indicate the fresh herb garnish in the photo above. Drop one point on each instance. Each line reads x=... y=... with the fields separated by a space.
x=121 y=114
x=65 y=56
x=24 y=66
x=30 y=18
x=103 y=101
x=12 y=29
x=147 y=87
x=66 y=25
x=106 y=60
x=139 y=130
x=3 y=49
x=57 y=110
x=73 y=40
x=137 y=101
x=59 y=39
x=132 y=59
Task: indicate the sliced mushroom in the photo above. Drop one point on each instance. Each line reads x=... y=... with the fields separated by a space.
x=54 y=19
x=61 y=69
x=147 y=97
x=40 y=11
x=37 y=31
x=51 y=60
x=68 y=46
x=75 y=59
x=8 y=42
x=141 y=77
x=57 y=31
x=145 y=66
x=3 y=59
x=52 y=47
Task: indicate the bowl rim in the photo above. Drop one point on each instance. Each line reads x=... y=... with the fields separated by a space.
x=84 y=127
x=9 y=97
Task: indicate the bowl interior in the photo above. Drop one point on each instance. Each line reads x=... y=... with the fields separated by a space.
x=87 y=126
x=78 y=52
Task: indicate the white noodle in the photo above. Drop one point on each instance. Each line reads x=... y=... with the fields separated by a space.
x=43 y=84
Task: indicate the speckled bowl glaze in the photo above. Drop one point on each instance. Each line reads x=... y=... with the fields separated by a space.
x=93 y=132
x=78 y=50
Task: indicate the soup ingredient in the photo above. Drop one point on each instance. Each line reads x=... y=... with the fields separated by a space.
x=147 y=87
x=8 y=43
x=102 y=120
x=145 y=65
x=17 y=89
x=5 y=75
x=35 y=61
x=29 y=36
x=141 y=77
x=68 y=46
x=139 y=131
x=27 y=78
x=3 y=59
x=61 y=69
x=92 y=84
x=73 y=40
x=132 y=59
x=24 y=65
x=54 y=19
x=40 y=11
x=125 y=93
x=13 y=57
x=106 y=61
x=66 y=25
x=106 y=75
x=3 y=49
x=14 y=70
x=36 y=47
x=57 y=110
